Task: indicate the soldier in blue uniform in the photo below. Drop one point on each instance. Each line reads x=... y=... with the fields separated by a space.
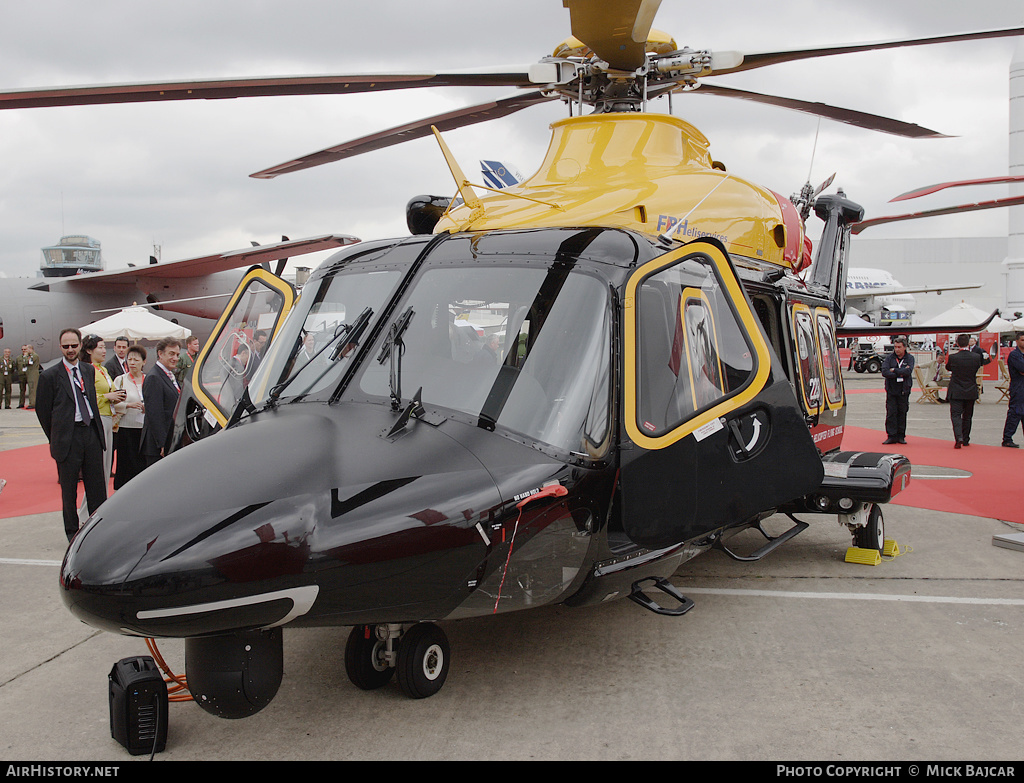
x=898 y=371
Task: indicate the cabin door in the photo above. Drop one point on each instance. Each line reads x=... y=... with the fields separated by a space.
x=712 y=431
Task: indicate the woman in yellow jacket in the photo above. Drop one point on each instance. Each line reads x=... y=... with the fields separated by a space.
x=94 y=351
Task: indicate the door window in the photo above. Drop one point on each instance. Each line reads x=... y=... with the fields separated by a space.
x=693 y=348
x=832 y=375
x=808 y=367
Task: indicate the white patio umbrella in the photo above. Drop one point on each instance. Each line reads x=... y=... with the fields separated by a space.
x=964 y=314
x=854 y=320
x=136 y=323
x=999 y=325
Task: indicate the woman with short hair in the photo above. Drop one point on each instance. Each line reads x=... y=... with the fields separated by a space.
x=131 y=414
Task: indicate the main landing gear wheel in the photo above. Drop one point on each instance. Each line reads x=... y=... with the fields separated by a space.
x=366 y=659
x=423 y=659
x=872 y=535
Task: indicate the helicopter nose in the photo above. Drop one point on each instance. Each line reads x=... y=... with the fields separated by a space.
x=213 y=537
x=93 y=574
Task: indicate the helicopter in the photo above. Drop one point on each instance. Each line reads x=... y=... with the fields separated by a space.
x=557 y=392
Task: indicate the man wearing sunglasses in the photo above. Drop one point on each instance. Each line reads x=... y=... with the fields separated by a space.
x=69 y=414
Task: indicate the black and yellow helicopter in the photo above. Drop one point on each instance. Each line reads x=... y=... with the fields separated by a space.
x=556 y=392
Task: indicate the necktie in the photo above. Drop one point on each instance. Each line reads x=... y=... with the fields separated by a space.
x=83 y=406
x=173 y=380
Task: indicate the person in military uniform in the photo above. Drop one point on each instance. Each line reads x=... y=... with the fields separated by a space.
x=188 y=358
x=28 y=376
x=8 y=369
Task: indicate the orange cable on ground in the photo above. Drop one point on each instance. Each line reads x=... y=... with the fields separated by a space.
x=179 y=690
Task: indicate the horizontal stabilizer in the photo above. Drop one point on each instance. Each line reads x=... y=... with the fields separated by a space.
x=872 y=331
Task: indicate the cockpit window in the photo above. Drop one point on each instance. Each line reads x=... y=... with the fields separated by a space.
x=237 y=349
x=521 y=348
x=317 y=341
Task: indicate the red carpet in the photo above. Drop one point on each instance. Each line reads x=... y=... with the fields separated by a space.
x=993 y=489
x=32 y=487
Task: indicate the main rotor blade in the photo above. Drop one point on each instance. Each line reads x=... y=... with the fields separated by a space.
x=999 y=202
x=848 y=116
x=411 y=130
x=615 y=31
x=759 y=60
x=927 y=191
x=211 y=89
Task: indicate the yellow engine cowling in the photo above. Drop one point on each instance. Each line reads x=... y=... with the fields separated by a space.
x=647 y=172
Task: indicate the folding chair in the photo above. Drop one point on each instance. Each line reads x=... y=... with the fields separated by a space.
x=929 y=388
x=1003 y=387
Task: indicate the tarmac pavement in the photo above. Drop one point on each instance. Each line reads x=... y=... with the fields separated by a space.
x=800 y=657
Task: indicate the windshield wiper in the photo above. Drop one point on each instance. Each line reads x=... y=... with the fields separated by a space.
x=393 y=349
x=352 y=332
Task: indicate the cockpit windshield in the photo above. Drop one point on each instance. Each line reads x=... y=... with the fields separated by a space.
x=319 y=337
x=520 y=348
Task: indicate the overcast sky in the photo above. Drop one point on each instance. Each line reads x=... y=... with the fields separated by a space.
x=176 y=174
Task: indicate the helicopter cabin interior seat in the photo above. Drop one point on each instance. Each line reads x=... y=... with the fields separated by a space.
x=658 y=397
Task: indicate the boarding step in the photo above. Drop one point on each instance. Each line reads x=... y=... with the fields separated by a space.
x=774 y=542
x=639 y=596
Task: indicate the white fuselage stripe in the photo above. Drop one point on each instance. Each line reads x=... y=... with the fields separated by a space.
x=302 y=599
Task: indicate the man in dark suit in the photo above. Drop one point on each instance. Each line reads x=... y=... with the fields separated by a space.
x=1015 y=410
x=160 y=396
x=116 y=363
x=963 y=367
x=69 y=415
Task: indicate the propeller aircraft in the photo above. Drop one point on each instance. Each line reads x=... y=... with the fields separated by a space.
x=193 y=289
x=555 y=392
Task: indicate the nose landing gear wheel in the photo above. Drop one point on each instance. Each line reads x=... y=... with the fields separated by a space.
x=365 y=661
x=423 y=659
x=872 y=535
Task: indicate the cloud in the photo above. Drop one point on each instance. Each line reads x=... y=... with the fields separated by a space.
x=176 y=174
